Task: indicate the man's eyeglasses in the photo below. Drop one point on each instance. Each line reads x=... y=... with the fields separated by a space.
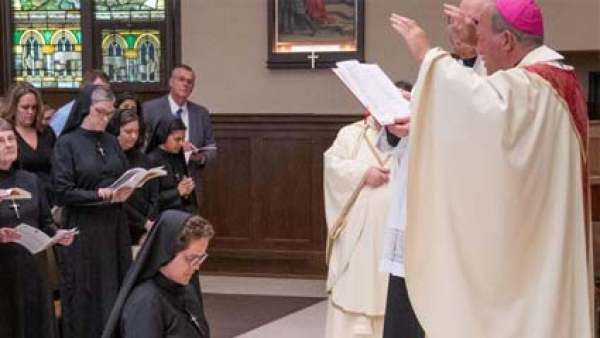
x=189 y=81
x=196 y=260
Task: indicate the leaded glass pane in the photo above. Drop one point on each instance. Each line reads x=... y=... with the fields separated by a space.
x=132 y=10
x=132 y=55
x=47 y=42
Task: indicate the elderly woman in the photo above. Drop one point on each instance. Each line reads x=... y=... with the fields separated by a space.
x=159 y=299
x=142 y=205
x=25 y=310
x=86 y=161
x=25 y=111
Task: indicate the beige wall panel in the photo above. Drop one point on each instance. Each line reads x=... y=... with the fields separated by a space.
x=225 y=41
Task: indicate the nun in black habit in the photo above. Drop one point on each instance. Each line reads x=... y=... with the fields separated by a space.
x=25 y=302
x=159 y=298
x=86 y=161
x=176 y=189
x=142 y=205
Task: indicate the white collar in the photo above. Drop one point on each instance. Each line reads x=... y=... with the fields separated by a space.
x=174 y=106
x=542 y=54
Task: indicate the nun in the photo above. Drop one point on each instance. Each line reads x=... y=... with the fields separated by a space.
x=85 y=162
x=142 y=205
x=176 y=189
x=159 y=298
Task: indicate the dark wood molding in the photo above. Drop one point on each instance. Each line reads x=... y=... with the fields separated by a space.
x=7 y=38
x=594 y=96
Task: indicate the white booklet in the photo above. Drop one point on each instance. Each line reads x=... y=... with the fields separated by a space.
x=210 y=147
x=205 y=149
x=374 y=90
x=35 y=240
x=15 y=194
x=137 y=177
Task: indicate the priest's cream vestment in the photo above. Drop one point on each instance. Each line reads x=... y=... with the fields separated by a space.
x=497 y=225
x=356 y=218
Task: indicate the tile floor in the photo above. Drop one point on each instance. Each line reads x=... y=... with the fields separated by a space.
x=308 y=322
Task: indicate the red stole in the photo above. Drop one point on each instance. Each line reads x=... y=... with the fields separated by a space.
x=567 y=86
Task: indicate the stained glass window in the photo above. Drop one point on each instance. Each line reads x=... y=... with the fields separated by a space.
x=132 y=10
x=131 y=55
x=54 y=40
x=47 y=42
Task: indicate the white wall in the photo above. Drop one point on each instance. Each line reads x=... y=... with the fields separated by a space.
x=225 y=41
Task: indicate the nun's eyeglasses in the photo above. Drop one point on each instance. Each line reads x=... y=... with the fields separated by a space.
x=196 y=260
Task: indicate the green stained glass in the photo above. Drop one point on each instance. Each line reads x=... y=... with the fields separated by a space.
x=47 y=42
x=132 y=55
x=132 y=10
x=46 y=5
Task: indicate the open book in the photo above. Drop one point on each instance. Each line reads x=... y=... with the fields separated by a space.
x=15 y=194
x=374 y=90
x=35 y=240
x=137 y=177
x=210 y=147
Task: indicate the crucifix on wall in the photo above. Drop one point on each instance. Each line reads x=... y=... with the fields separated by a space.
x=313 y=59
x=299 y=30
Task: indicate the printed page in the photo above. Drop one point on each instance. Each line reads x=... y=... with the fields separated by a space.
x=127 y=178
x=152 y=174
x=376 y=90
x=33 y=239
x=15 y=193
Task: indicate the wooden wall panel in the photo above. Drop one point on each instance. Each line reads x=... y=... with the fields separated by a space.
x=286 y=177
x=264 y=194
x=227 y=196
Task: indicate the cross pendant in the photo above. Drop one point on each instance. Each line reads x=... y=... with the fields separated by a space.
x=194 y=320
x=313 y=58
x=15 y=208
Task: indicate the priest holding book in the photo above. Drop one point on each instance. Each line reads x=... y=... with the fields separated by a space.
x=357 y=198
x=25 y=300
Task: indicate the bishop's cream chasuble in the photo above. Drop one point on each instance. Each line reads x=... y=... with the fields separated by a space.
x=497 y=226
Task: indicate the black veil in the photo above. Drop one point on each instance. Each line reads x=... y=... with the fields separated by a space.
x=159 y=248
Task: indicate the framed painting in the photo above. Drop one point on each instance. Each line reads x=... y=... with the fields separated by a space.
x=314 y=33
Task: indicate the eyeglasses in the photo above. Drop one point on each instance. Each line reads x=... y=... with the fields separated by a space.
x=196 y=260
x=189 y=81
x=106 y=112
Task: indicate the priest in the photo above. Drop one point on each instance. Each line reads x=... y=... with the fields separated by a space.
x=498 y=224
x=357 y=196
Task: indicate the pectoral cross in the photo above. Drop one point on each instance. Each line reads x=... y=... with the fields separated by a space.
x=15 y=208
x=100 y=149
x=313 y=58
x=194 y=320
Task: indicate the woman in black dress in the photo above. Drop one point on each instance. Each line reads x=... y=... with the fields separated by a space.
x=25 y=111
x=142 y=204
x=86 y=161
x=25 y=306
x=176 y=190
x=158 y=298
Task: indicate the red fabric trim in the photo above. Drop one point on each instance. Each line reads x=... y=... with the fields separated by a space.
x=367 y=114
x=567 y=85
